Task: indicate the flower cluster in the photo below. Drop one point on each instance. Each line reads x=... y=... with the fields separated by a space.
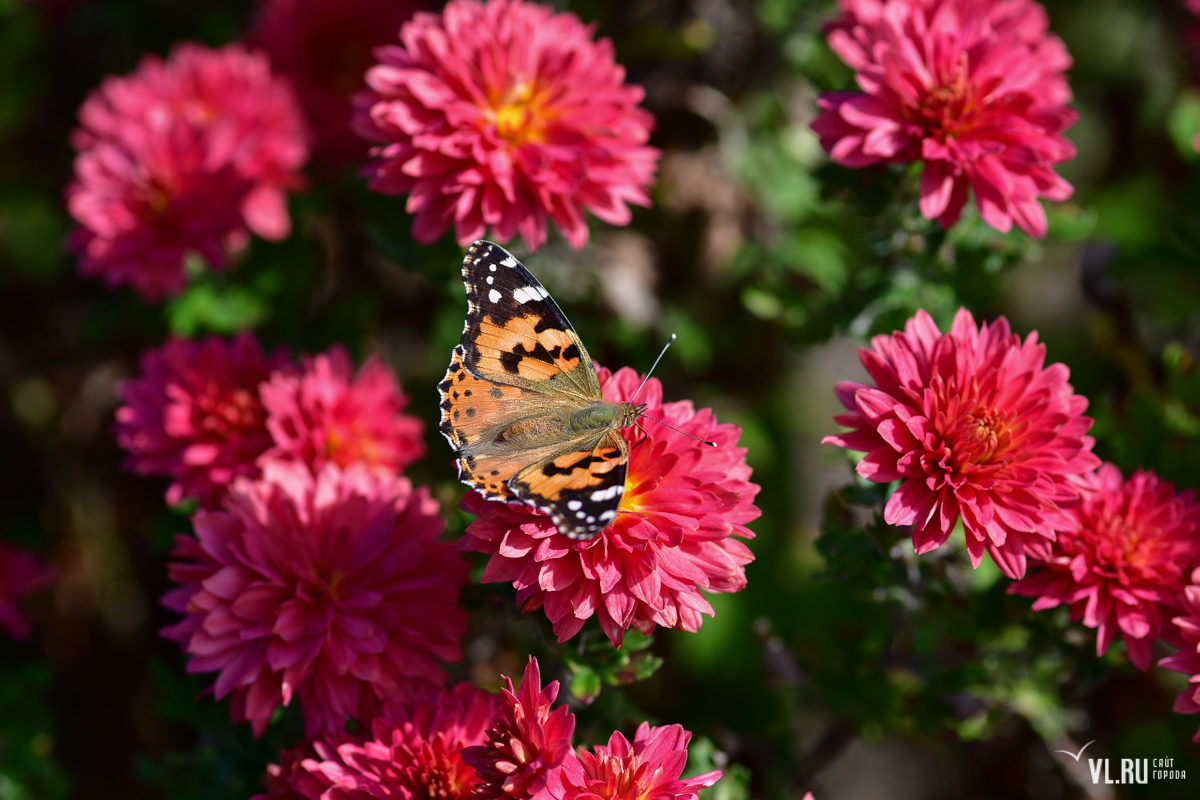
x=520 y=748
x=974 y=89
x=21 y=574
x=1126 y=563
x=976 y=428
x=329 y=585
x=684 y=503
x=182 y=156
x=204 y=413
x=505 y=114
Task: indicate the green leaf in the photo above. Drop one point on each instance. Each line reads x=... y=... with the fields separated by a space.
x=585 y=683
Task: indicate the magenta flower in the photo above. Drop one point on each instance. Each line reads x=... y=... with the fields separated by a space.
x=327 y=414
x=525 y=744
x=194 y=414
x=1126 y=563
x=976 y=428
x=649 y=767
x=332 y=587
x=413 y=756
x=673 y=535
x=21 y=574
x=323 y=48
x=1184 y=632
x=972 y=88
x=182 y=156
x=505 y=114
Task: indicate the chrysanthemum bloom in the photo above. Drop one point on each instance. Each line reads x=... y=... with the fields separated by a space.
x=975 y=427
x=649 y=767
x=525 y=744
x=182 y=156
x=324 y=48
x=21 y=574
x=413 y=756
x=503 y=114
x=194 y=414
x=333 y=587
x=683 y=503
x=1127 y=563
x=972 y=88
x=327 y=414
x=1184 y=632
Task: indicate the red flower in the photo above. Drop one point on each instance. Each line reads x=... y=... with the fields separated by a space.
x=413 y=757
x=682 y=505
x=179 y=157
x=525 y=744
x=1126 y=563
x=503 y=114
x=327 y=414
x=194 y=415
x=323 y=47
x=976 y=427
x=21 y=574
x=649 y=768
x=973 y=88
x=1185 y=633
x=333 y=587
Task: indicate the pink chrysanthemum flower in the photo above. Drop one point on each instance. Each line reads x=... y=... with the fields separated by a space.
x=182 y=156
x=526 y=743
x=194 y=414
x=333 y=587
x=21 y=574
x=327 y=414
x=673 y=535
x=323 y=47
x=1184 y=632
x=505 y=114
x=972 y=88
x=411 y=756
x=649 y=767
x=1127 y=563
x=975 y=427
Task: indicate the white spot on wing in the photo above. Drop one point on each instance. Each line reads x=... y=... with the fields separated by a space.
x=528 y=293
x=490 y=280
x=574 y=505
x=601 y=495
x=509 y=262
x=494 y=296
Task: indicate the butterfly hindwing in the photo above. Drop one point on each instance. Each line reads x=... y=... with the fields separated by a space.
x=515 y=332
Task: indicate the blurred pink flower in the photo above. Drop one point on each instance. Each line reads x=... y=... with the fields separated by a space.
x=1136 y=543
x=327 y=414
x=21 y=574
x=1184 y=632
x=182 y=156
x=683 y=503
x=525 y=744
x=323 y=47
x=976 y=427
x=333 y=587
x=503 y=114
x=194 y=414
x=973 y=88
x=412 y=756
x=649 y=767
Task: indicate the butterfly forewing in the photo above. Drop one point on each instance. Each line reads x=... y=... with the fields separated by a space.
x=515 y=332
x=580 y=489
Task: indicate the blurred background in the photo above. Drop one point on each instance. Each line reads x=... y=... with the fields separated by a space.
x=847 y=666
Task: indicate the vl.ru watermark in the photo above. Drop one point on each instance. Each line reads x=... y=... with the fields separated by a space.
x=1136 y=770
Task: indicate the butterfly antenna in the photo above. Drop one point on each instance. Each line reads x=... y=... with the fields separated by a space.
x=672 y=427
x=670 y=342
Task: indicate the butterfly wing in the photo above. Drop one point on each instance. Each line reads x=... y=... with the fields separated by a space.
x=580 y=488
x=516 y=334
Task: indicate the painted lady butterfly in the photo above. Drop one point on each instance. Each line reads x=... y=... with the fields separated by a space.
x=521 y=402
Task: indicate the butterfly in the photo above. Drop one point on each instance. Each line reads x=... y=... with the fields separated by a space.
x=521 y=402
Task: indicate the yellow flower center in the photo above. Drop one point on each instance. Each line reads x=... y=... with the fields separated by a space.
x=520 y=113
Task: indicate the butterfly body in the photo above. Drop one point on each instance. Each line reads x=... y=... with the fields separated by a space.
x=521 y=402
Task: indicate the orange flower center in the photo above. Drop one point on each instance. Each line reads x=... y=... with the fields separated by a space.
x=980 y=439
x=442 y=774
x=520 y=113
x=229 y=412
x=951 y=109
